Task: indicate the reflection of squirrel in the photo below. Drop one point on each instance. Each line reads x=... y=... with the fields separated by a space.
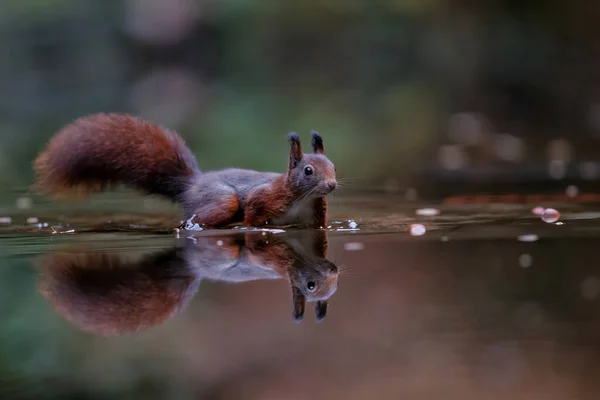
x=105 y=294
x=101 y=150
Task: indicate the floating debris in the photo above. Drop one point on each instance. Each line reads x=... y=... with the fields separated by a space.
x=5 y=220
x=444 y=238
x=417 y=229
x=352 y=224
x=550 y=215
x=354 y=246
x=33 y=220
x=427 y=212
x=528 y=238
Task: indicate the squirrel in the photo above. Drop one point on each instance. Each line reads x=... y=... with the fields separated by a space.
x=103 y=150
x=106 y=294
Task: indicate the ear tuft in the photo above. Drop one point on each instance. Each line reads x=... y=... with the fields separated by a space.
x=317 y=142
x=293 y=137
x=321 y=310
x=295 y=150
x=299 y=303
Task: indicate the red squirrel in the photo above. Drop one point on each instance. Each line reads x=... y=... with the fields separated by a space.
x=107 y=294
x=102 y=150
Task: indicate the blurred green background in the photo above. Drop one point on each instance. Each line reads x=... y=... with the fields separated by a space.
x=406 y=93
x=396 y=87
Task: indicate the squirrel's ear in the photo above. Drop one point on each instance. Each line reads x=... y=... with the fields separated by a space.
x=317 y=142
x=321 y=310
x=295 y=149
x=299 y=303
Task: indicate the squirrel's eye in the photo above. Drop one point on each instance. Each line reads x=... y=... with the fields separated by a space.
x=311 y=286
x=308 y=171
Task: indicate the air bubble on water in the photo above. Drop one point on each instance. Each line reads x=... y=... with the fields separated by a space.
x=354 y=246
x=39 y=225
x=219 y=243
x=417 y=229
x=559 y=223
x=427 y=212
x=525 y=260
x=590 y=288
x=572 y=191
x=530 y=237
x=550 y=215
x=32 y=220
x=537 y=210
x=5 y=220
x=24 y=203
x=45 y=224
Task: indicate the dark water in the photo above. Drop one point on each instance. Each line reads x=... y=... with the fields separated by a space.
x=106 y=300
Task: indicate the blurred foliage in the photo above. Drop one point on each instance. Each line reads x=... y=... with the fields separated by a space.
x=378 y=79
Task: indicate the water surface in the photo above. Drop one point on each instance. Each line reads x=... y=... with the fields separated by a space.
x=105 y=299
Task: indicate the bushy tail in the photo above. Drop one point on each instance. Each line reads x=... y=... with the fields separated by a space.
x=102 y=150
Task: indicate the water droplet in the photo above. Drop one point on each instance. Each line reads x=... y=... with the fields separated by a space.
x=417 y=230
x=531 y=237
x=537 y=210
x=550 y=215
x=354 y=246
x=427 y=212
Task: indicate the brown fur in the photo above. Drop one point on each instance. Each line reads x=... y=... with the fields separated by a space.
x=103 y=294
x=222 y=216
x=320 y=207
x=268 y=203
x=103 y=150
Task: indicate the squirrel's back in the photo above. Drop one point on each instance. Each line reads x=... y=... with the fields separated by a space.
x=105 y=149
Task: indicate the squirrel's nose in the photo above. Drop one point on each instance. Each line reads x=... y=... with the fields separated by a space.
x=332 y=184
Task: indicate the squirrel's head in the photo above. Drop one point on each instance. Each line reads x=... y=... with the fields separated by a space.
x=316 y=282
x=310 y=173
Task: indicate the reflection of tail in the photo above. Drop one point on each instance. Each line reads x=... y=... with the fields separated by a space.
x=104 y=294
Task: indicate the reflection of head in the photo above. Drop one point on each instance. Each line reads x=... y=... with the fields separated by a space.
x=101 y=293
x=313 y=280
